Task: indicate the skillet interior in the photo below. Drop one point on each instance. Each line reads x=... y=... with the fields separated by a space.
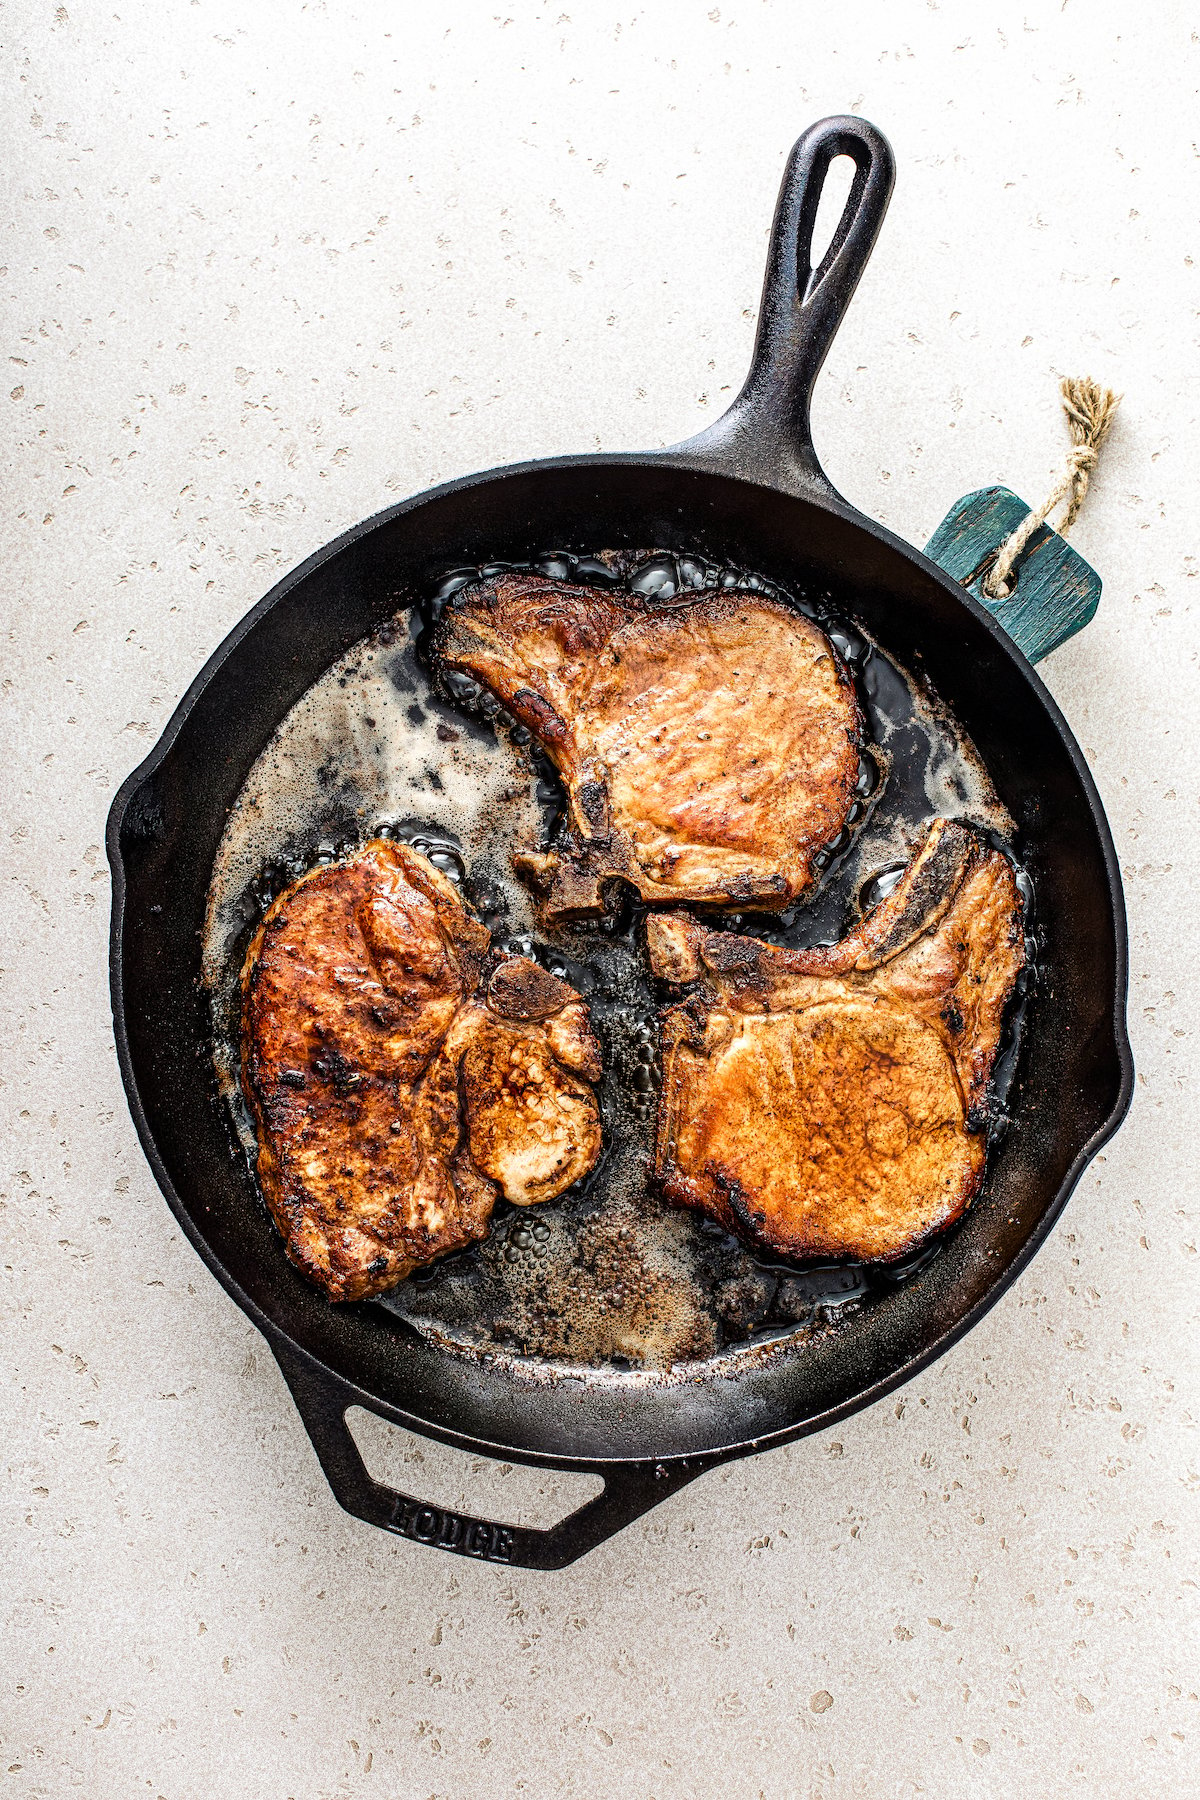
x=168 y=819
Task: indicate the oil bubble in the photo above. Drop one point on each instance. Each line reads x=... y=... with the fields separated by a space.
x=454 y=583
x=590 y=569
x=878 y=886
x=449 y=862
x=657 y=579
x=555 y=566
x=852 y=649
x=693 y=573
x=868 y=777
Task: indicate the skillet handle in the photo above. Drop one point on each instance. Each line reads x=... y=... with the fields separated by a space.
x=765 y=435
x=630 y=1489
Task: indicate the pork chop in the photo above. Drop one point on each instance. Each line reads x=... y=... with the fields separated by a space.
x=709 y=749
x=831 y=1102
x=395 y=1099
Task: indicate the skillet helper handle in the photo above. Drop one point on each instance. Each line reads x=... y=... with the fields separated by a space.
x=630 y=1489
x=765 y=436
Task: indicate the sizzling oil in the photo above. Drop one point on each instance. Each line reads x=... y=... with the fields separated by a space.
x=606 y=1275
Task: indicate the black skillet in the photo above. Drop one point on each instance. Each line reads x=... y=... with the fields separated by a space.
x=750 y=489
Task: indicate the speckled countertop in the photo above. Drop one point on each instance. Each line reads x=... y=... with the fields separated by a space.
x=267 y=268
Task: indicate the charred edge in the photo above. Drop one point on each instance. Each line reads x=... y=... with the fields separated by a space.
x=745 y=890
x=592 y=802
x=674 y=964
x=741 y=1216
x=537 y=714
x=726 y=954
x=537 y=868
x=936 y=877
x=580 y=883
x=674 y=1037
x=524 y=990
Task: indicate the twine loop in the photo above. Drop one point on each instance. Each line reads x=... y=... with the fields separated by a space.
x=1089 y=409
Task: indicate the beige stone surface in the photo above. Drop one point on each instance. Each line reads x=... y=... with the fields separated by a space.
x=267 y=267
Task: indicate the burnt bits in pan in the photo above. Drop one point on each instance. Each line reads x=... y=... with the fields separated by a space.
x=379 y=747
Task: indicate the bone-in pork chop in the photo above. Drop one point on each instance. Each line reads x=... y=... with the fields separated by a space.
x=829 y=1102
x=709 y=749
x=394 y=1101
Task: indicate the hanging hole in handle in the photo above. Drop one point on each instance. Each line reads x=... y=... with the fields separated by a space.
x=982 y=574
x=832 y=208
x=466 y=1483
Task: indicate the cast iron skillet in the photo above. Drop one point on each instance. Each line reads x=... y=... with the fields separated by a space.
x=749 y=491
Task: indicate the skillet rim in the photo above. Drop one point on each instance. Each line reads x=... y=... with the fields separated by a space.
x=669 y=460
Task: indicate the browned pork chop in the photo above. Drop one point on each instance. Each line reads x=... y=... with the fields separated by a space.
x=394 y=1102
x=709 y=749
x=829 y=1102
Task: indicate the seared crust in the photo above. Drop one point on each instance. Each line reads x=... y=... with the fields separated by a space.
x=393 y=1104
x=829 y=1102
x=708 y=749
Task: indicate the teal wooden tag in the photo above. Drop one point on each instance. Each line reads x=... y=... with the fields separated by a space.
x=1056 y=592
